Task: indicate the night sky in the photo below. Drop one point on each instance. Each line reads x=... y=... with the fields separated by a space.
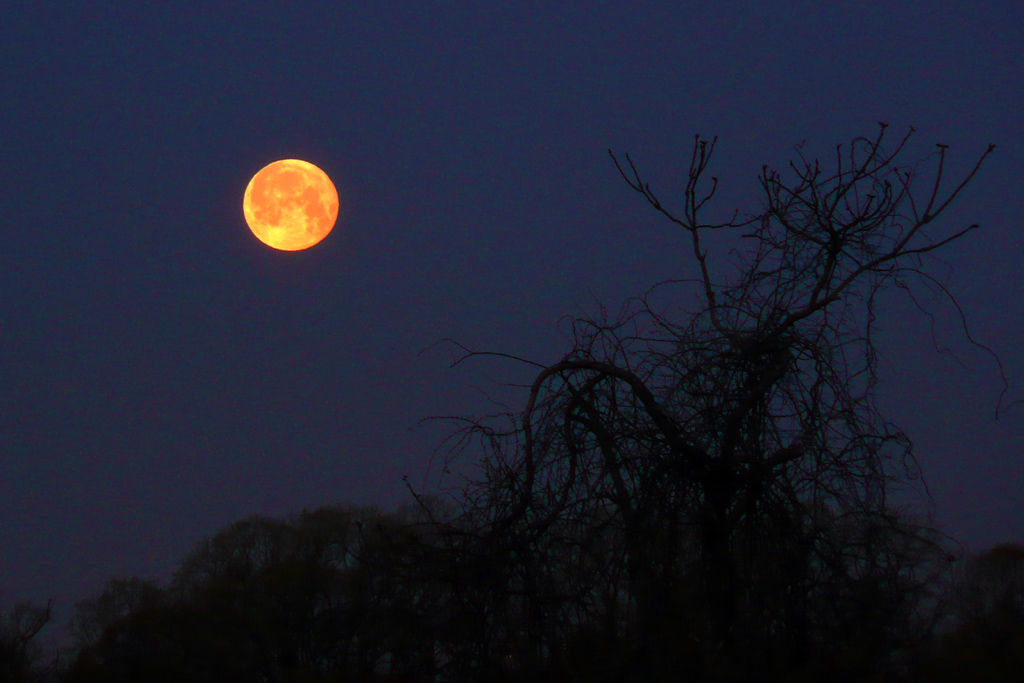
x=163 y=373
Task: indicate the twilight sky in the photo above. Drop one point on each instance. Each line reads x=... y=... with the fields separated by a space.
x=163 y=373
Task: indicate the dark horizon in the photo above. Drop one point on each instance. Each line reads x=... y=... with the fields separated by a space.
x=164 y=373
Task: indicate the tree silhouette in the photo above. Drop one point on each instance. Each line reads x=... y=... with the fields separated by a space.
x=987 y=605
x=700 y=495
x=19 y=653
x=120 y=598
x=708 y=490
x=323 y=596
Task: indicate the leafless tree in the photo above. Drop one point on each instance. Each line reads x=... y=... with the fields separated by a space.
x=684 y=481
x=19 y=653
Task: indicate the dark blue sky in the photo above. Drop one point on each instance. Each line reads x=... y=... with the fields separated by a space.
x=163 y=373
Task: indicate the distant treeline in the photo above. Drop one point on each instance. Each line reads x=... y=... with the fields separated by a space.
x=352 y=594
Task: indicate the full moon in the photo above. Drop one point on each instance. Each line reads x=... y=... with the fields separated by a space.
x=290 y=205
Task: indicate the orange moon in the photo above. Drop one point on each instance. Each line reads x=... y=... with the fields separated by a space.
x=290 y=205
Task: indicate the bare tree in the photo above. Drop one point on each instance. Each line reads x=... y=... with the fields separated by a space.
x=685 y=480
x=19 y=653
